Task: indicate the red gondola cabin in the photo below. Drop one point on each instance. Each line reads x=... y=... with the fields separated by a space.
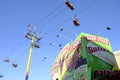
x=76 y=22
x=69 y=5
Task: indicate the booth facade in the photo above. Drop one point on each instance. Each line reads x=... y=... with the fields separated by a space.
x=88 y=57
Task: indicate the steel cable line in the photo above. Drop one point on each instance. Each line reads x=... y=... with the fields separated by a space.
x=14 y=48
x=49 y=14
x=12 y=62
x=39 y=31
x=47 y=17
x=69 y=18
x=19 y=56
x=7 y=55
x=89 y=6
x=52 y=17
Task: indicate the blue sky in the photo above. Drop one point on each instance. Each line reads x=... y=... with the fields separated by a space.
x=15 y=15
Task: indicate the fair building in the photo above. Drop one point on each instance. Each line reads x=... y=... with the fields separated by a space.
x=117 y=57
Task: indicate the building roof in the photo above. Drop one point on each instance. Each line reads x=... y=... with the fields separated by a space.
x=117 y=52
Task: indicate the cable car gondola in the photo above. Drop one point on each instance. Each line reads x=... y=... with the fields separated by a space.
x=28 y=35
x=44 y=58
x=6 y=60
x=1 y=76
x=60 y=45
x=36 y=44
x=14 y=65
x=108 y=28
x=69 y=5
x=76 y=21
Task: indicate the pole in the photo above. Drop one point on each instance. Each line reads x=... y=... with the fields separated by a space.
x=29 y=58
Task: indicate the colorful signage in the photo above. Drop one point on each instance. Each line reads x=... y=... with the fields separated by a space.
x=57 y=68
x=101 y=53
x=89 y=57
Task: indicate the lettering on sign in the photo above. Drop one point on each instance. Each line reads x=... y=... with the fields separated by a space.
x=98 y=73
x=101 y=53
x=95 y=49
x=74 y=58
x=97 y=39
x=73 y=46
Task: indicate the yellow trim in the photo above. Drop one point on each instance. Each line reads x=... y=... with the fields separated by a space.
x=30 y=56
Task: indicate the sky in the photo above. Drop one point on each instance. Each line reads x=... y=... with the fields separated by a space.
x=46 y=18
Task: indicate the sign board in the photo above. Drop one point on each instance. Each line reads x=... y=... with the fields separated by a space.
x=89 y=57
